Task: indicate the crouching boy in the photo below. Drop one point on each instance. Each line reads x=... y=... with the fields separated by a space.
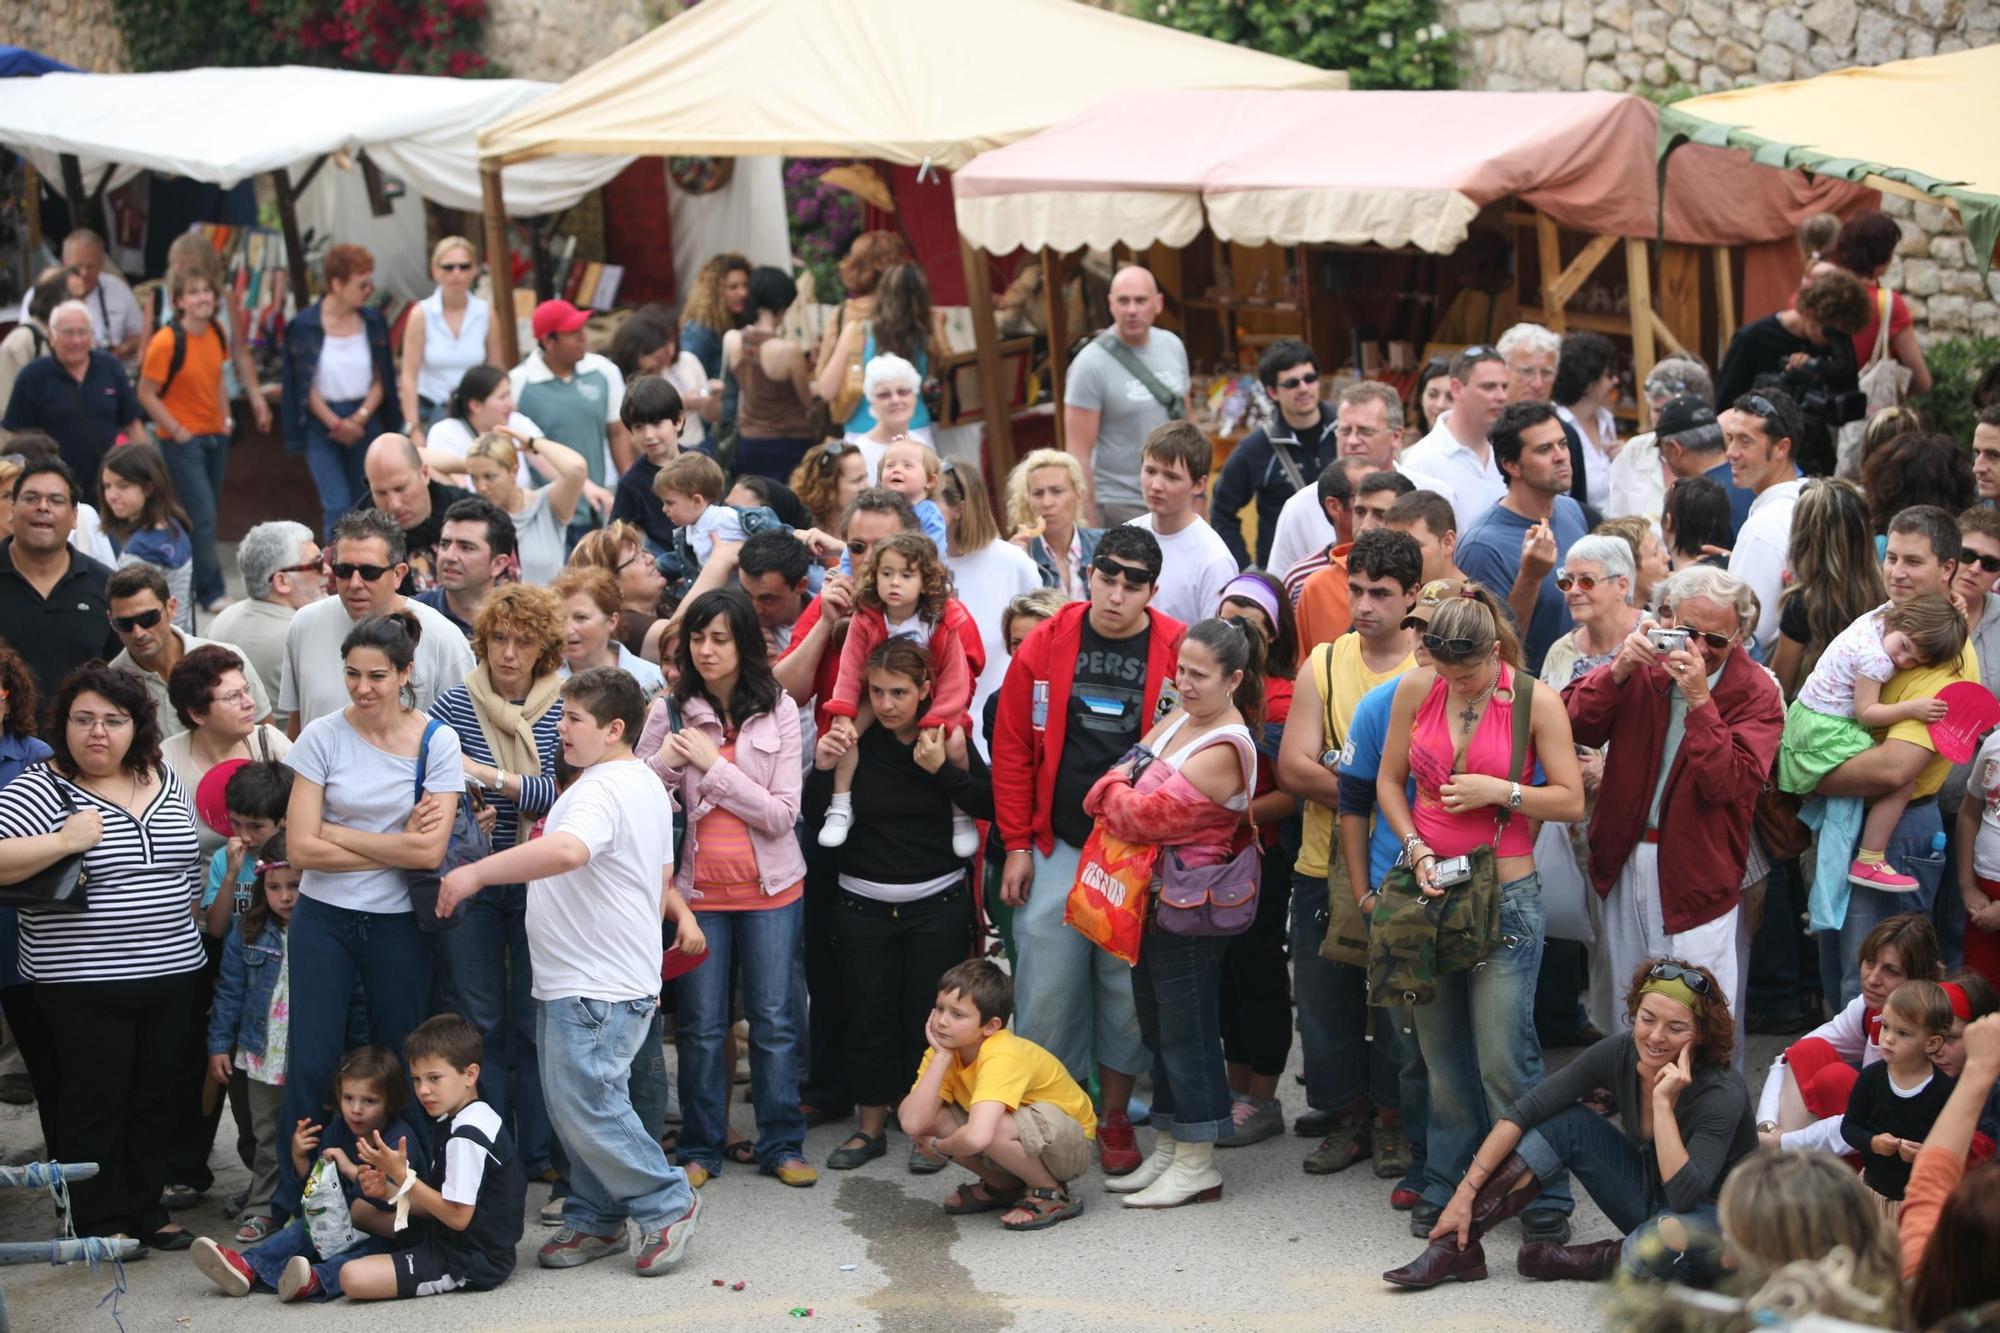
x=466 y=1210
x=998 y=1105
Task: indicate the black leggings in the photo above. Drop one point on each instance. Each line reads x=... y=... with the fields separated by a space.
x=891 y=956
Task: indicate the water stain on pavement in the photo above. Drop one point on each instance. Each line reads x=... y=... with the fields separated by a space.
x=910 y=1241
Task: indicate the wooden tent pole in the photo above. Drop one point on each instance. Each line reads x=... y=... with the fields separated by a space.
x=1549 y=243
x=1639 y=301
x=999 y=423
x=1056 y=307
x=295 y=246
x=499 y=259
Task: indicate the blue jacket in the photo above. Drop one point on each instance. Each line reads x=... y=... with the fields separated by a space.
x=304 y=337
x=1038 y=551
x=1253 y=474
x=242 y=1006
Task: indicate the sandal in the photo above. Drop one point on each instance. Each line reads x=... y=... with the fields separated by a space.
x=742 y=1152
x=1045 y=1208
x=254 y=1229
x=979 y=1197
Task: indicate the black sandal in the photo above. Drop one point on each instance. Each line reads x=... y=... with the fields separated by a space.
x=1047 y=1207
x=742 y=1152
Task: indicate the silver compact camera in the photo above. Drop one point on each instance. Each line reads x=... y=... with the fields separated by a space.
x=1454 y=871
x=1666 y=640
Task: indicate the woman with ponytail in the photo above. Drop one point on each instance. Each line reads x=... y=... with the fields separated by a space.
x=1185 y=788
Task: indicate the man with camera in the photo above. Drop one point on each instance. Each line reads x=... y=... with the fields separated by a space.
x=1808 y=351
x=1695 y=724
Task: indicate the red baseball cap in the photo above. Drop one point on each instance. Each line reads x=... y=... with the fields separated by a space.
x=557 y=317
x=208 y=795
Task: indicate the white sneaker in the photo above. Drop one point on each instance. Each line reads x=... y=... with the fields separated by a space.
x=839 y=818
x=964 y=835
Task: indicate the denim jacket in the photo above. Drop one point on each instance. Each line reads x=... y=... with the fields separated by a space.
x=1087 y=539
x=305 y=335
x=243 y=996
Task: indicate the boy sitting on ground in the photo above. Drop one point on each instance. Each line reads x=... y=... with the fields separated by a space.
x=998 y=1105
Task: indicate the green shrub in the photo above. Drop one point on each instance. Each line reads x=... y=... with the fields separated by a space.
x=1380 y=43
x=1956 y=365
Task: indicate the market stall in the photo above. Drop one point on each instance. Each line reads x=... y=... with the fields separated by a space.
x=922 y=84
x=1555 y=185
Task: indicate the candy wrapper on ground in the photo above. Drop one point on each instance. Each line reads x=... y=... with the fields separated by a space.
x=326 y=1212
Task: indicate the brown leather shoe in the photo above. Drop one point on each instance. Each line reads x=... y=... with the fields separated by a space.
x=1443 y=1261
x=1582 y=1263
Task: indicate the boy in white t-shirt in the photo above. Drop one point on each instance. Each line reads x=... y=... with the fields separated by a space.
x=1174 y=465
x=601 y=878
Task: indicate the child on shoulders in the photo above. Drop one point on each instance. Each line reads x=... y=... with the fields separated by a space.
x=911 y=469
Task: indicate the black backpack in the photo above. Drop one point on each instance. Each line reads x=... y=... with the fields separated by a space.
x=181 y=350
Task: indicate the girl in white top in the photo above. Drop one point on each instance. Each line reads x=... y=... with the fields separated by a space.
x=541 y=516
x=449 y=333
x=482 y=402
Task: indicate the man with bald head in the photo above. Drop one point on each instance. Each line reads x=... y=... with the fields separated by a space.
x=116 y=323
x=1130 y=379
x=78 y=394
x=402 y=487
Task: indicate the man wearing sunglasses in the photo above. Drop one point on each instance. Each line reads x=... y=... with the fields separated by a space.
x=1273 y=463
x=1515 y=548
x=1456 y=451
x=52 y=604
x=142 y=614
x=1082 y=690
x=367 y=570
x=1693 y=732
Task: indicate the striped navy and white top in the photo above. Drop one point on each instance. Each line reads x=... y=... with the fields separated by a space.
x=456 y=710
x=143 y=876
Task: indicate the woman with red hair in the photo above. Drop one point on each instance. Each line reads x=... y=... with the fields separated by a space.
x=337 y=377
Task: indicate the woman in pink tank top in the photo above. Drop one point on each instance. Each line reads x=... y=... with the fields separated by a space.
x=1451 y=728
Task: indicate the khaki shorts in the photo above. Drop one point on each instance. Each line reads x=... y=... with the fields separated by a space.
x=1049 y=1133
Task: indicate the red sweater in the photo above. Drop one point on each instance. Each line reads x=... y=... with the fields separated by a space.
x=958 y=656
x=1705 y=814
x=1028 y=732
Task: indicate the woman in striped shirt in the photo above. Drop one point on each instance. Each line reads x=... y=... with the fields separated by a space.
x=121 y=983
x=505 y=715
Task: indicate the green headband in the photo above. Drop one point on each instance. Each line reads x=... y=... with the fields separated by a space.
x=1674 y=989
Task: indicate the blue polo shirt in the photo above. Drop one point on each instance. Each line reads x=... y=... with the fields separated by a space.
x=1361 y=762
x=84 y=418
x=1491 y=553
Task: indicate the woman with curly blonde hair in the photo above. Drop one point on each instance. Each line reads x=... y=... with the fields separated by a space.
x=719 y=302
x=1044 y=501
x=827 y=478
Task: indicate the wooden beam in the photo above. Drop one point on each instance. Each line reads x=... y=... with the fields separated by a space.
x=31 y=183
x=499 y=260
x=1616 y=325
x=1665 y=333
x=1679 y=295
x=1571 y=279
x=1639 y=292
x=295 y=246
x=986 y=339
x=1725 y=301
x=74 y=194
x=1056 y=309
x=306 y=180
x=1549 y=243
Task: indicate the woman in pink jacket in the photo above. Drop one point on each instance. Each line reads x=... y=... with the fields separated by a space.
x=736 y=766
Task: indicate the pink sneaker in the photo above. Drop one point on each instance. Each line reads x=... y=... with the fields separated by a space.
x=1880 y=875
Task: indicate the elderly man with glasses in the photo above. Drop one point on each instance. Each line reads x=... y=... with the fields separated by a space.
x=1694 y=724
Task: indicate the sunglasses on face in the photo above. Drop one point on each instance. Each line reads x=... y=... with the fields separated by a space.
x=857 y=548
x=460 y=267
x=1587 y=582
x=1136 y=579
x=1708 y=636
x=1300 y=380
x=144 y=620
x=344 y=571
x=1694 y=980
x=1989 y=563
x=1450 y=650
x=312 y=567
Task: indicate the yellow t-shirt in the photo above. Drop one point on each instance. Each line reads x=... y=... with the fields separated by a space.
x=1015 y=1072
x=1351 y=680
x=1922 y=683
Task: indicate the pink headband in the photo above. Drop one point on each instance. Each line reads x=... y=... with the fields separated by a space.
x=1249 y=588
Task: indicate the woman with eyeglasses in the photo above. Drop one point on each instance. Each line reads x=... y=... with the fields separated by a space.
x=449 y=333
x=339 y=380
x=1596 y=583
x=1044 y=498
x=892 y=389
x=903 y=326
x=619 y=549
x=213 y=701
x=123 y=983
x=1684 y=1119
x=1451 y=728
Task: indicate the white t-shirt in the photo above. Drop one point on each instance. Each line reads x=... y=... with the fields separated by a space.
x=1195 y=567
x=595 y=932
x=88 y=536
x=1762 y=556
x=346 y=368
x=315 y=677
x=986 y=581
x=1984 y=787
x=452 y=436
x=373 y=791
x=1856 y=651
x=688 y=376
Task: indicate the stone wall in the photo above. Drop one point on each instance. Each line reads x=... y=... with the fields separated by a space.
x=1655 y=46
x=553 y=39
x=83 y=33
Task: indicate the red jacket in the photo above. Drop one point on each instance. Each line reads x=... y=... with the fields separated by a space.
x=1033 y=715
x=1706 y=812
x=958 y=656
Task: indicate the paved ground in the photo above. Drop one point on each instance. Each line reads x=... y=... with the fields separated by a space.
x=1282 y=1250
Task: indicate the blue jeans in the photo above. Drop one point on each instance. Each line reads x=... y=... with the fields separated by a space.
x=328 y=949
x=1473 y=1081
x=268 y=1257
x=616 y=1168
x=1177 y=987
x=765 y=945
x=490 y=980
x=1626 y=1185
x=198 y=469
x=1909 y=851
x=1071 y=998
x=336 y=468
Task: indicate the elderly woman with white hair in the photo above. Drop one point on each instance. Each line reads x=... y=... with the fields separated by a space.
x=1044 y=500
x=282 y=572
x=893 y=388
x=1596 y=582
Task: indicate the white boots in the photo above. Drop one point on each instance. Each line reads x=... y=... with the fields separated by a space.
x=1175 y=1174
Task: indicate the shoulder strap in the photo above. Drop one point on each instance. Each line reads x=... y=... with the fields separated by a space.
x=424 y=758
x=264 y=744
x=1176 y=407
x=179 y=358
x=1326 y=694
x=1885 y=302
x=1292 y=473
x=1524 y=725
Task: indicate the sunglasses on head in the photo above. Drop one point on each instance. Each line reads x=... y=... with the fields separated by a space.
x=1135 y=578
x=1761 y=405
x=830 y=457
x=1451 y=650
x=1300 y=380
x=1708 y=636
x=1989 y=563
x=344 y=571
x=1694 y=980
x=144 y=620
x=1587 y=582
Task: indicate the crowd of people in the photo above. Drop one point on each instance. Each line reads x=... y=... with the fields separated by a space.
x=716 y=707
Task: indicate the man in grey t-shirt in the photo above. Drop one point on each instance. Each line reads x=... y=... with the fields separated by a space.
x=1108 y=411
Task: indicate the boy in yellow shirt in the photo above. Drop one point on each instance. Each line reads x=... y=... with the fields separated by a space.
x=998 y=1105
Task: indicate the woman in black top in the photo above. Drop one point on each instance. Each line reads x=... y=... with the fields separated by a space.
x=1684 y=1119
x=904 y=913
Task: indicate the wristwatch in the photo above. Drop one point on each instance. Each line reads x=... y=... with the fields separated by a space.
x=1767 y=1126
x=1514 y=797
x=499 y=783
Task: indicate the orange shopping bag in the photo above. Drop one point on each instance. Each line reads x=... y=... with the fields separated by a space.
x=1107 y=904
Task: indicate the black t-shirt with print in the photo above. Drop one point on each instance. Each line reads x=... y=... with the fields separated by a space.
x=1107 y=700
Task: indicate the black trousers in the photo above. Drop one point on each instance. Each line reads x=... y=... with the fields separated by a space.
x=122 y=1049
x=823 y=1082
x=1256 y=984
x=891 y=957
x=187 y=1144
x=38 y=1052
